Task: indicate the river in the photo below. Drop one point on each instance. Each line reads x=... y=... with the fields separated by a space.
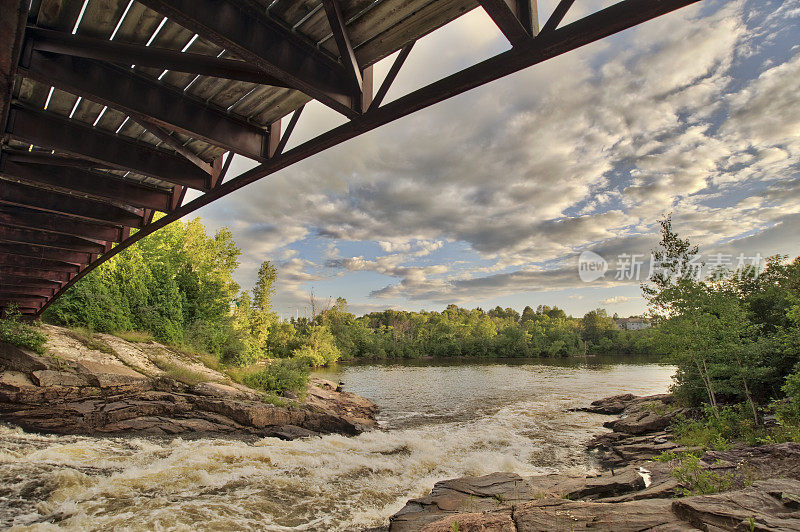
x=438 y=421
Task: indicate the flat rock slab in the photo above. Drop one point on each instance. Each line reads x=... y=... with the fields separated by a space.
x=560 y=514
x=502 y=490
x=766 y=505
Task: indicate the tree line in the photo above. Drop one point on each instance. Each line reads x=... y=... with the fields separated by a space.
x=178 y=285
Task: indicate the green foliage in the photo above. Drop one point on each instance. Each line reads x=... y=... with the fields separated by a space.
x=176 y=285
x=17 y=332
x=788 y=411
x=319 y=349
x=697 y=480
x=279 y=376
x=719 y=429
x=732 y=335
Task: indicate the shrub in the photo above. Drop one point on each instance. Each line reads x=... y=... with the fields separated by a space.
x=279 y=376
x=14 y=331
x=696 y=480
x=789 y=411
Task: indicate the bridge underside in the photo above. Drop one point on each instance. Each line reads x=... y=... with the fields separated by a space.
x=113 y=109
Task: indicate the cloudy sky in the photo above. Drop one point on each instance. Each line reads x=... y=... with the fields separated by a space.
x=489 y=198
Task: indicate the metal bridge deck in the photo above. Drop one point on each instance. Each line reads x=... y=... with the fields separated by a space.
x=111 y=109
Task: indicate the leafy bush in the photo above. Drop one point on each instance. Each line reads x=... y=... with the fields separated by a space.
x=14 y=331
x=279 y=376
x=789 y=411
x=696 y=480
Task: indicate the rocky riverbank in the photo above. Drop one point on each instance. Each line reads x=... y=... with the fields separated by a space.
x=634 y=493
x=112 y=386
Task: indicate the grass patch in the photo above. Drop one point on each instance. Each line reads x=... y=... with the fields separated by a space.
x=275 y=378
x=22 y=334
x=135 y=337
x=90 y=340
x=179 y=373
x=719 y=429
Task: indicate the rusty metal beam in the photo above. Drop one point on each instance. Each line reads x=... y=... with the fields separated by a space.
x=166 y=137
x=260 y=40
x=515 y=18
x=557 y=16
x=11 y=281
x=394 y=70
x=113 y=151
x=616 y=18
x=288 y=133
x=12 y=30
x=40 y=221
x=29 y=250
x=41 y=238
x=16 y=261
x=108 y=186
x=148 y=56
x=37 y=274
x=136 y=95
x=336 y=21
x=50 y=201
x=41 y=157
x=15 y=292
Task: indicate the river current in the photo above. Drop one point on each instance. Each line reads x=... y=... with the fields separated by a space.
x=437 y=421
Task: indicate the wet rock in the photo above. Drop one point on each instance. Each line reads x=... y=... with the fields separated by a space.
x=610 y=405
x=763 y=506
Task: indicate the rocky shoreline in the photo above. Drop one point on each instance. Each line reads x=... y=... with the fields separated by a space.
x=634 y=493
x=117 y=387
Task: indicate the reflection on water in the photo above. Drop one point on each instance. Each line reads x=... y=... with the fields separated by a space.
x=438 y=421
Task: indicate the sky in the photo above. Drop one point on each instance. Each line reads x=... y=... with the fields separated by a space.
x=492 y=197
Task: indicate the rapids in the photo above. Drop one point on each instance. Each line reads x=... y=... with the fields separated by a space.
x=438 y=421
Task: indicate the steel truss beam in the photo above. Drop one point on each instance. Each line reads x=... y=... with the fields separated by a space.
x=12 y=30
x=17 y=261
x=111 y=151
x=340 y=35
x=517 y=19
x=58 y=203
x=38 y=275
x=28 y=250
x=545 y=46
x=260 y=40
x=50 y=223
x=11 y=281
x=148 y=56
x=106 y=186
x=137 y=95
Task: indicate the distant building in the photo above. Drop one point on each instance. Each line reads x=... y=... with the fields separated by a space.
x=631 y=324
